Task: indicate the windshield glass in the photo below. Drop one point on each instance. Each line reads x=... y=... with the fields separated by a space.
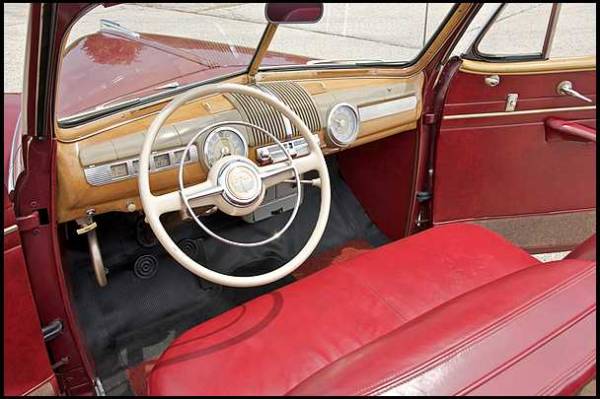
x=127 y=51
x=350 y=33
x=120 y=55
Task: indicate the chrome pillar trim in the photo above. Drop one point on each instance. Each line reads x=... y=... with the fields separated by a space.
x=10 y=229
x=551 y=30
x=15 y=163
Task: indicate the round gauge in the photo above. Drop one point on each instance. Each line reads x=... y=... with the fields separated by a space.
x=342 y=124
x=222 y=142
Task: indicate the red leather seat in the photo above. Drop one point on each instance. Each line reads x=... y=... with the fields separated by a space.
x=455 y=309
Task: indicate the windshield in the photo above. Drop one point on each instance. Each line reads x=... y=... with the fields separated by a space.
x=358 y=33
x=127 y=51
x=120 y=55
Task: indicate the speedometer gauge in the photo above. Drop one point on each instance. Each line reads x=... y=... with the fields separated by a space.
x=342 y=125
x=222 y=142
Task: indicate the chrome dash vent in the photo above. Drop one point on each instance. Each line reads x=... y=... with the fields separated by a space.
x=255 y=111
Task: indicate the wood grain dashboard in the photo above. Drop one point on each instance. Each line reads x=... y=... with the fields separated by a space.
x=386 y=105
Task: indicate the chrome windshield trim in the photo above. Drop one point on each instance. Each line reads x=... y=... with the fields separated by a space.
x=14 y=150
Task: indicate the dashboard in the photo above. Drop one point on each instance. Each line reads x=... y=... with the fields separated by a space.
x=98 y=164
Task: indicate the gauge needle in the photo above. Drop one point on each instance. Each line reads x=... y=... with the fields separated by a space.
x=340 y=122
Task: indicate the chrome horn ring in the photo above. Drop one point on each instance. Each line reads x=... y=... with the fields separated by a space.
x=247 y=165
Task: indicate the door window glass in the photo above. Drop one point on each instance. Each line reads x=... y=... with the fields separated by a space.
x=519 y=29
x=575 y=33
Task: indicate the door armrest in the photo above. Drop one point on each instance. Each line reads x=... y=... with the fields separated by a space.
x=569 y=130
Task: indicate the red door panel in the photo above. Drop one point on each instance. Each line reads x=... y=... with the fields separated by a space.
x=509 y=166
x=27 y=368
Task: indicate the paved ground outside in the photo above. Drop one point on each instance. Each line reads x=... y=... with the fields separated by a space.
x=391 y=32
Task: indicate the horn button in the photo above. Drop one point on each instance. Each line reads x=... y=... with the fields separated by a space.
x=241 y=182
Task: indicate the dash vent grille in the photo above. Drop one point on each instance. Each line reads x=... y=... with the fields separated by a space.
x=263 y=115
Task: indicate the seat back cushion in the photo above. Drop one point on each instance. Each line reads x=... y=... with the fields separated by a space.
x=529 y=333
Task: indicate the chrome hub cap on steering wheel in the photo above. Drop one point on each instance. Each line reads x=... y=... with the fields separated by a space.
x=241 y=183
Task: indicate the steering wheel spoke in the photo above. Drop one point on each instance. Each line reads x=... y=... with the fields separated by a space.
x=202 y=194
x=274 y=174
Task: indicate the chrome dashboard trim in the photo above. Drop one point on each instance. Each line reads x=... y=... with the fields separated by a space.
x=387 y=108
x=99 y=175
x=274 y=154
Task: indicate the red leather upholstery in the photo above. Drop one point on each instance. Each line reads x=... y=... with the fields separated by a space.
x=517 y=341
x=285 y=341
x=586 y=250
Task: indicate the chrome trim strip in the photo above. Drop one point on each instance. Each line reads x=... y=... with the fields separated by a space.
x=387 y=108
x=99 y=175
x=10 y=229
x=514 y=113
x=14 y=170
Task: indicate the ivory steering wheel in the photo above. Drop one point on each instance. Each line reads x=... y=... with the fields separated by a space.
x=235 y=185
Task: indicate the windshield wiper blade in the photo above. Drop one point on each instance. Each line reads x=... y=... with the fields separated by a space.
x=100 y=110
x=111 y=26
x=344 y=61
x=113 y=105
x=168 y=86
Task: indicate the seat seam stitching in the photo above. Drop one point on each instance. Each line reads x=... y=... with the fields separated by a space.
x=370 y=289
x=482 y=334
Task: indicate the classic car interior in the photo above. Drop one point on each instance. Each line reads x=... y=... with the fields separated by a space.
x=308 y=226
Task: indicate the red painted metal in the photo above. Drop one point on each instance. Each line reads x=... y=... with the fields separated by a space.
x=12 y=109
x=35 y=193
x=104 y=66
x=23 y=341
x=386 y=198
x=421 y=178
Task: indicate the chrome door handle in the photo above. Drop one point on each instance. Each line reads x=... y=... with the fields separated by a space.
x=565 y=88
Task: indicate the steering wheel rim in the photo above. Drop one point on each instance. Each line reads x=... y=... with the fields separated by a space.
x=155 y=206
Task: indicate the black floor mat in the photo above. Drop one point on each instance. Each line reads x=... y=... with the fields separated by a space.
x=133 y=319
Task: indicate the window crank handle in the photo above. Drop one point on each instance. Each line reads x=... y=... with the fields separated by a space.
x=566 y=88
